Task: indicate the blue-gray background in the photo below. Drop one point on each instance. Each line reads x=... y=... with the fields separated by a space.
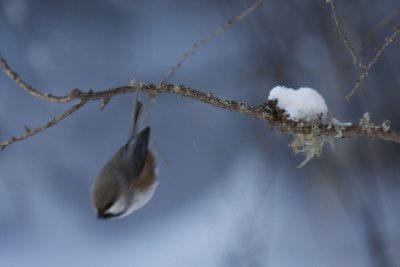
x=232 y=195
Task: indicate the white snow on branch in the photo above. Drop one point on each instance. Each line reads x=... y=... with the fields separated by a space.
x=304 y=103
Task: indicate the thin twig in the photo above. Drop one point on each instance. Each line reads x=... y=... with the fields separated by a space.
x=224 y=27
x=34 y=92
x=388 y=41
x=105 y=102
x=52 y=122
x=342 y=36
x=365 y=68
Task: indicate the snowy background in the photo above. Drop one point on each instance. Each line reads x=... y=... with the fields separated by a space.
x=232 y=195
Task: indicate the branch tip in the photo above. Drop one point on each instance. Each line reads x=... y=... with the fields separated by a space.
x=105 y=102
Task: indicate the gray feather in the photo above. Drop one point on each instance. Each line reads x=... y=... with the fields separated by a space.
x=136 y=152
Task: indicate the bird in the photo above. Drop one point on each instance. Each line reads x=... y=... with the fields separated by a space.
x=129 y=179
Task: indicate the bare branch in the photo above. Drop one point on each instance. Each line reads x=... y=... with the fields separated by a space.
x=388 y=41
x=52 y=122
x=365 y=68
x=342 y=36
x=105 y=102
x=34 y=92
x=268 y=112
x=224 y=27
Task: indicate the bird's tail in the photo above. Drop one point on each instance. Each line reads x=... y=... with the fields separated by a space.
x=137 y=110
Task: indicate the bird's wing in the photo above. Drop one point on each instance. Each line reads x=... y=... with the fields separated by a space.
x=137 y=154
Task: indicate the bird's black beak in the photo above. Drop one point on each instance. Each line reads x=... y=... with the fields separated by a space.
x=105 y=215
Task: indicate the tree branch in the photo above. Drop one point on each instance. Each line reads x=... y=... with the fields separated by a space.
x=34 y=92
x=342 y=36
x=365 y=128
x=224 y=27
x=267 y=111
x=49 y=124
x=366 y=68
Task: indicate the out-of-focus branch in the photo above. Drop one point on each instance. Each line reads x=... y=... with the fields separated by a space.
x=364 y=205
x=224 y=27
x=342 y=36
x=366 y=68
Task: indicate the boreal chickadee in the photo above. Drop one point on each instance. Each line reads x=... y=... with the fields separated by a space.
x=129 y=179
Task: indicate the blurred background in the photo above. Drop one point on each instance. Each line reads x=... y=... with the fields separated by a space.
x=231 y=195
